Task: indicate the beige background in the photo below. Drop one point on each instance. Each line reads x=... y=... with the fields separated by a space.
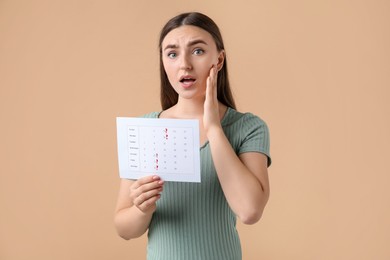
x=318 y=72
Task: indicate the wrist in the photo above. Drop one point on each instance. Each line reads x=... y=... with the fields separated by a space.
x=214 y=131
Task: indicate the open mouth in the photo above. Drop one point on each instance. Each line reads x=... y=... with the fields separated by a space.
x=187 y=80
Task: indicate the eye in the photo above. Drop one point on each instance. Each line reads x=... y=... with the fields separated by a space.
x=171 y=55
x=198 y=51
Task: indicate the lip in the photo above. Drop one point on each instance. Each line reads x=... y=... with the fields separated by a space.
x=186 y=77
x=189 y=83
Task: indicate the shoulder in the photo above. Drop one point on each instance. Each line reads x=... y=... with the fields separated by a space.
x=151 y=115
x=243 y=120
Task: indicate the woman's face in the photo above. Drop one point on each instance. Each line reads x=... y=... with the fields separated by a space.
x=188 y=53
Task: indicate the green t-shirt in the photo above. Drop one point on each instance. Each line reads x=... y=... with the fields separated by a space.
x=193 y=221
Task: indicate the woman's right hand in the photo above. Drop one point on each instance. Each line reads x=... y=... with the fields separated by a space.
x=145 y=192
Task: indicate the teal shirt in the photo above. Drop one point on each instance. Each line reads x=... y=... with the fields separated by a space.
x=193 y=221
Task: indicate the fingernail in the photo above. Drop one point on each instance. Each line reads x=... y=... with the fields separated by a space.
x=156 y=177
x=161 y=182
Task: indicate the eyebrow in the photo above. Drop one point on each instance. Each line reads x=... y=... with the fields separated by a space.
x=191 y=43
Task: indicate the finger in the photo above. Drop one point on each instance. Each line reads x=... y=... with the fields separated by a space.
x=147 y=195
x=150 y=203
x=211 y=83
x=136 y=192
x=150 y=186
x=215 y=74
x=212 y=73
x=145 y=180
x=147 y=199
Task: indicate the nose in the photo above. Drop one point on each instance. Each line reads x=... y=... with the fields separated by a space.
x=185 y=62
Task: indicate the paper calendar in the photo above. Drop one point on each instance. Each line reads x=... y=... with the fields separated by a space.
x=165 y=147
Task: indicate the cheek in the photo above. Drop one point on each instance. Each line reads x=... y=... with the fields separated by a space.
x=205 y=71
x=206 y=66
x=168 y=70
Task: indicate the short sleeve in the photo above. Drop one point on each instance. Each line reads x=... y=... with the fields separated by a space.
x=254 y=136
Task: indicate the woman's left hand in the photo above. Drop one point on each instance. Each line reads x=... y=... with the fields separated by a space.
x=211 y=117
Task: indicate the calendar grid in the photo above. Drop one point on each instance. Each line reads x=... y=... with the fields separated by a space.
x=160 y=150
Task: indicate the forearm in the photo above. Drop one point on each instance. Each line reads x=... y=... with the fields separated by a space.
x=131 y=222
x=246 y=195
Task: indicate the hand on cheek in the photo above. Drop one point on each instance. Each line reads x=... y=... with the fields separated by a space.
x=211 y=110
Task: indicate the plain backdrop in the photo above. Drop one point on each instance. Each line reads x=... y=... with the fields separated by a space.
x=318 y=72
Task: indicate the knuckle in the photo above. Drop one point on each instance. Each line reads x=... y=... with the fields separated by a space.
x=141 y=188
x=142 y=197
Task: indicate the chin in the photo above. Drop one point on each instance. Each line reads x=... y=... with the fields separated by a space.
x=192 y=95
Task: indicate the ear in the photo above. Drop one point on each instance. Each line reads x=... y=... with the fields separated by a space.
x=221 y=60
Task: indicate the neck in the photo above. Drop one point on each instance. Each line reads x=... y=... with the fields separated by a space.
x=190 y=108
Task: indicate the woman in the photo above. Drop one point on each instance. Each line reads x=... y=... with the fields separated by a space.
x=198 y=220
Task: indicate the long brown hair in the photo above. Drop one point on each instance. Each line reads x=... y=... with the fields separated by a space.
x=168 y=95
